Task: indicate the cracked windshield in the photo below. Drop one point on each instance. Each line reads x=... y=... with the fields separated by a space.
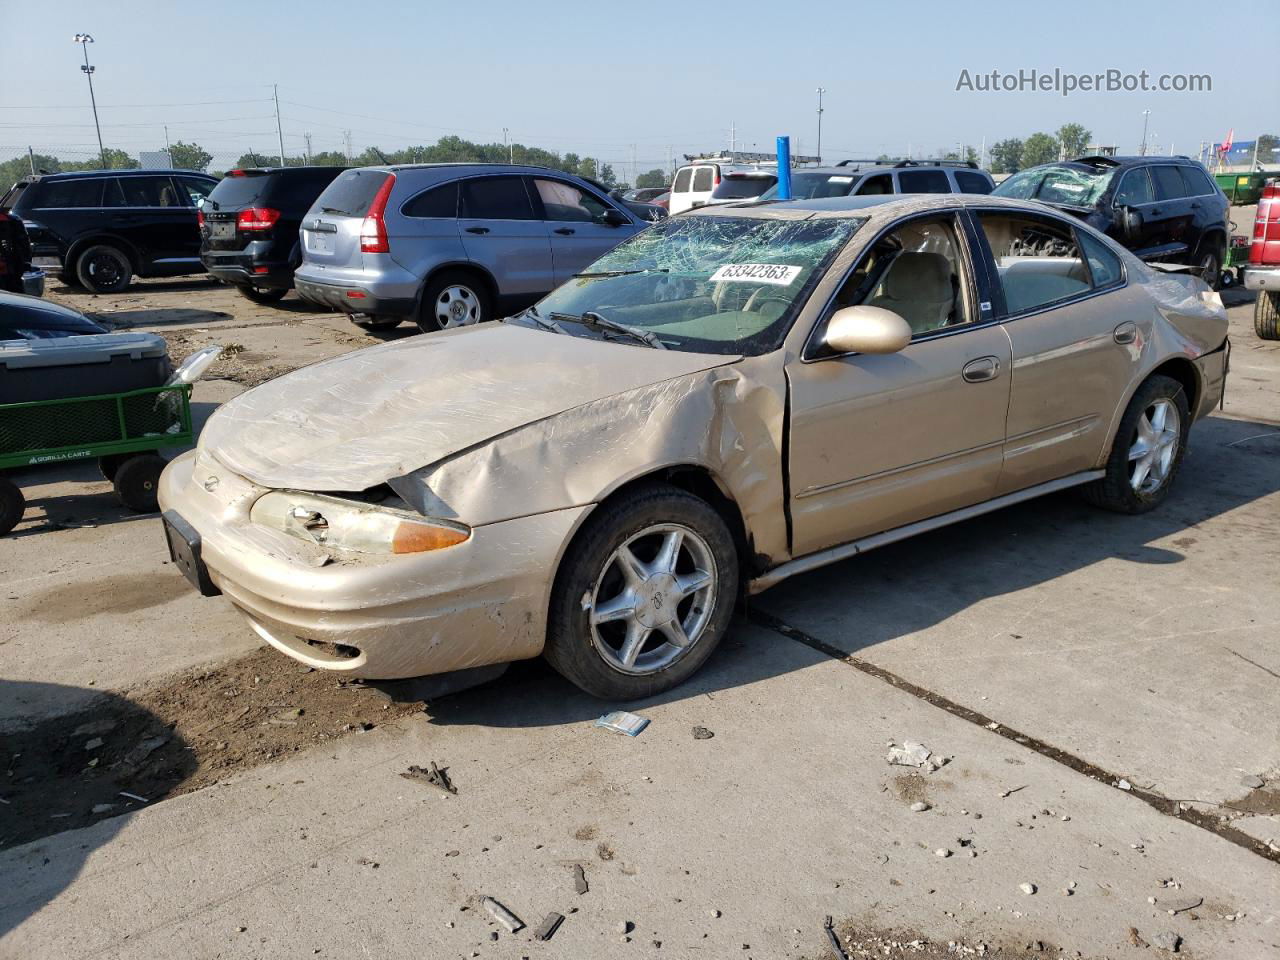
x=701 y=284
x=1070 y=186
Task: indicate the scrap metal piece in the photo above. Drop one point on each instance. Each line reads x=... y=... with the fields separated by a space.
x=436 y=776
x=829 y=927
x=549 y=925
x=579 y=879
x=502 y=915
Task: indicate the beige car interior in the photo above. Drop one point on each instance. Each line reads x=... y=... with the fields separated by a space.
x=1038 y=262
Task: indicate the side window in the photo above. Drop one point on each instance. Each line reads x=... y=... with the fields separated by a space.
x=1168 y=181
x=196 y=190
x=682 y=180
x=495 y=198
x=1037 y=261
x=702 y=180
x=149 y=192
x=1198 y=182
x=1134 y=189
x=564 y=201
x=1103 y=263
x=881 y=183
x=437 y=202
x=923 y=181
x=917 y=272
x=71 y=193
x=970 y=182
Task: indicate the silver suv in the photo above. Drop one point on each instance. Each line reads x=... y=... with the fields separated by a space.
x=863 y=177
x=453 y=243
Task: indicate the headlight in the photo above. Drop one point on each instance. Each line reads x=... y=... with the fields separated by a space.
x=349 y=525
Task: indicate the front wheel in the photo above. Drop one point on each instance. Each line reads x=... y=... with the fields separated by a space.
x=453 y=300
x=1147 y=451
x=643 y=595
x=1266 y=312
x=262 y=296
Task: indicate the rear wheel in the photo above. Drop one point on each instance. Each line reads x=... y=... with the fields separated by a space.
x=137 y=481
x=644 y=594
x=1147 y=451
x=12 y=503
x=1210 y=264
x=104 y=268
x=453 y=300
x=1266 y=309
x=262 y=296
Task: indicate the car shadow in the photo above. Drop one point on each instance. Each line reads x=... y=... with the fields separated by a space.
x=876 y=598
x=59 y=771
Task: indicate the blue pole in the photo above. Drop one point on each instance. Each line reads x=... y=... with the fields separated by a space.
x=784 y=168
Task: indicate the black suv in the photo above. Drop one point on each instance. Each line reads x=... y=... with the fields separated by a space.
x=1161 y=208
x=249 y=227
x=101 y=227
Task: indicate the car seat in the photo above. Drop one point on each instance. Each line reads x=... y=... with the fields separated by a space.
x=917 y=287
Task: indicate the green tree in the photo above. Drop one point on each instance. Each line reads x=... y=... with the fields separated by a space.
x=652 y=178
x=115 y=160
x=1006 y=156
x=1268 y=149
x=1074 y=139
x=254 y=159
x=189 y=156
x=1039 y=148
x=11 y=171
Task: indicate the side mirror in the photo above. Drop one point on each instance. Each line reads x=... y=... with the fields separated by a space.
x=1131 y=223
x=614 y=218
x=866 y=329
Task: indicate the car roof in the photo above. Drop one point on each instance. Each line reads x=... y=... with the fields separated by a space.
x=310 y=168
x=884 y=205
x=1119 y=163
x=81 y=174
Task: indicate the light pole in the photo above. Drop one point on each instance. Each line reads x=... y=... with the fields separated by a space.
x=84 y=40
x=1142 y=151
x=821 y=91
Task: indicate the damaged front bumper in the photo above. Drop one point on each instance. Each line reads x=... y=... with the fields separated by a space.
x=385 y=617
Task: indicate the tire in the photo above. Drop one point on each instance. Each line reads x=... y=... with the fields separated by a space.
x=12 y=503
x=104 y=268
x=590 y=580
x=1121 y=490
x=1210 y=264
x=137 y=481
x=1265 y=311
x=262 y=296
x=380 y=322
x=110 y=464
x=454 y=299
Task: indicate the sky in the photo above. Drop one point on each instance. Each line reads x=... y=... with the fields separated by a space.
x=637 y=82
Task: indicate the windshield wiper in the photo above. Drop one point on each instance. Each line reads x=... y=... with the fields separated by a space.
x=592 y=319
x=619 y=273
x=546 y=324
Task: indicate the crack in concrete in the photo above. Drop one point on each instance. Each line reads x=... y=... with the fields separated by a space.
x=1158 y=802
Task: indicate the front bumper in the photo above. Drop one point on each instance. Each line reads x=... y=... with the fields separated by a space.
x=480 y=602
x=1261 y=278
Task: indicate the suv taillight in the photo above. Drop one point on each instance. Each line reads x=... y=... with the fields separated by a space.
x=200 y=218
x=257 y=218
x=373 y=233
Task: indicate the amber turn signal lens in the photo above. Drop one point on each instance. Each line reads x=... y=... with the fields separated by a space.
x=419 y=537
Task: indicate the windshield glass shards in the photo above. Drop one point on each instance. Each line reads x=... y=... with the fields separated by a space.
x=1069 y=186
x=700 y=284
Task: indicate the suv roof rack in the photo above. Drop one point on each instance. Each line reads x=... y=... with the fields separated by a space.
x=912 y=163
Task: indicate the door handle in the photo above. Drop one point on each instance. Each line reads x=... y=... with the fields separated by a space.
x=1127 y=332
x=565 y=231
x=980 y=370
x=477 y=230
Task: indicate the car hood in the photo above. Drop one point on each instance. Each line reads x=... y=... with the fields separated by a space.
x=366 y=417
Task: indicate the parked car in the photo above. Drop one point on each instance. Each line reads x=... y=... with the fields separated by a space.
x=24 y=317
x=710 y=181
x=1262 y=274
x=249 y=227
x=452 y=244
x=1161 y=208
x=644 y=194
x=733 y=396
x=17 y=274
x=662 y=200
x=904 y=176
x=100 y=228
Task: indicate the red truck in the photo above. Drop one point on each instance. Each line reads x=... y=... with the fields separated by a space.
x=1262 y=275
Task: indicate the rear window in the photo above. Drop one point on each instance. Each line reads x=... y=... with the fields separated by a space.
x=292 y=192
x=436 y=202
x=682 y=181
x=239 y=191
x=10 y=199
x=702 y=180
x=970 y=182
x=742 y=188
x=352 y=194
x=924 y=181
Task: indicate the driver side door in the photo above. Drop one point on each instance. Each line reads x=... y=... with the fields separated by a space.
x=879 y=441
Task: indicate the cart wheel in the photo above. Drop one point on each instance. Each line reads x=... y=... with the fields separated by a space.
x=137 y=480
x=111 y=463
x=12 y=504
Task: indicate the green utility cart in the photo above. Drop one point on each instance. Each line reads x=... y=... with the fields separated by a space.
x=123 y=431
x=1242 y=189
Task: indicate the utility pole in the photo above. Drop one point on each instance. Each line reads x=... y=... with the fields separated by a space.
x=31 y=159
x=635 y=167
x=511 y=154
x=84 y=40
x=733 y=138
x=275 y=93
x=306 y=136
x=168 y=152
x=1142 y=150
x=821 y=91
x=982 y=154
x=346 y=140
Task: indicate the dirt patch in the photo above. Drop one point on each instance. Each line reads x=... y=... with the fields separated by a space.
x=910 y=787
x=861 y=940
x=175 y=736
x=1262 y=803
x=83 y=600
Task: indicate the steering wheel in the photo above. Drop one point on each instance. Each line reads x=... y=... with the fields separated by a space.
x=762 y=296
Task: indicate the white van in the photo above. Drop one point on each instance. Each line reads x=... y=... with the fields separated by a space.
x=710 y=181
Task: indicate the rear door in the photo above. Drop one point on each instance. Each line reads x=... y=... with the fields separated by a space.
x=426 y=229
x=1172 y=210
x=680 y=187
x=153 y=213
x=574 y=220
x=501 y=233
x=331 y=229
x=704 y=181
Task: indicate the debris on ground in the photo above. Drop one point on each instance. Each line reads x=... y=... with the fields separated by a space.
x=1182 y=905
x=1135 y=939
x=829 y=927
x=620 y=721
x=548 y=927
x=919 y=806
x=1124 y=784
x=702 y=733
x=1166 y=940
x=579 y=879
x=502 y=914
x=436 y=777
x=1027 y=888
x=910 y=754
x=1253 y=782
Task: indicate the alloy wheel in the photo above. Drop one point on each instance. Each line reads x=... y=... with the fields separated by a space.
x=653 y=599
x=1154 y=447
x=457 y=306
